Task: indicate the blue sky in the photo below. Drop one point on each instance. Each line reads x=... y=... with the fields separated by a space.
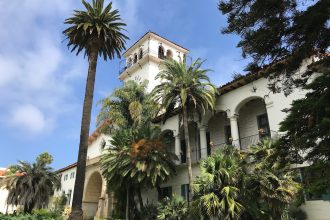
x=42 y=84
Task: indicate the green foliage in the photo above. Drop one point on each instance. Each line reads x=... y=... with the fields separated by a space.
x=45 y=158
x=33 y=185
x=183 y=85
x=174 y=208
x=253 y=185
x=59 y=202
x=128 y=106
x=98 y=27
x=216 y=190
x=41 y=214
x=148 y=212
x=269 y=183
x=282 y=33
x=307 y=136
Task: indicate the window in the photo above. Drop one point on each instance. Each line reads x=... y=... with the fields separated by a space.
x=183 y=151
x=140 y=54
x=72 y=175
x=208 y=140
x=135 y=58
x=263 y=126
x=161 y=52
x=66 y=177
x=165 y=192
x=228 y=139
x=185 y=191
x=129 y=62
x=69 y=197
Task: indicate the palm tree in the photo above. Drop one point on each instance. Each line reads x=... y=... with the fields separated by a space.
x=270 y=181
x=216 y=190
x=137 y=159
x=128 y=106
x=32 y=185
x=187 y=88
x=97 y=31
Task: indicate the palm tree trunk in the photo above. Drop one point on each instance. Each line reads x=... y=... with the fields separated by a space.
x=186 y=136
x=77 y=213
x=127 y=203
x=140 y=199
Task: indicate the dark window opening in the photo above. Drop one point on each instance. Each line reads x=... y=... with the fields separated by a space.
x=208 y=141
x=263 y=126
x=183 y=151
x=185 y=191
x=140 y=54
x=228 y=138
x=161 y=54
x=135 y=58
x=165 y=192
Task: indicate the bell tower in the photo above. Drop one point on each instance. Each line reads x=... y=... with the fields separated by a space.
x=143 y=58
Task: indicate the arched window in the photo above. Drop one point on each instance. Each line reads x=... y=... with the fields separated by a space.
x=135 y=58
x=161 y=52
x=129 y=62
x=140 y=54
x=169 y=54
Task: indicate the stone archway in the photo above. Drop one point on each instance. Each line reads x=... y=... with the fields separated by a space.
x=92 y=195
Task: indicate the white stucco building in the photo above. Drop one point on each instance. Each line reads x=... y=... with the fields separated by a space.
x=245 y=111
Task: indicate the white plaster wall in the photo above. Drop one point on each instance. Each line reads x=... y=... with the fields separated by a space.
x=317 y=210
x=176 y=182
x=3 y=198
x=275 y=103
x=216 y=127
x=95 y=149
x=68 y=184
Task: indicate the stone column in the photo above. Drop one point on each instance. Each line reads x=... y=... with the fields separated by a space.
x=178 y=147
x=234 y=130
x=203 y=141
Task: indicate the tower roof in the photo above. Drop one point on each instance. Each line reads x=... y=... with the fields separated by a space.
x=157 y=36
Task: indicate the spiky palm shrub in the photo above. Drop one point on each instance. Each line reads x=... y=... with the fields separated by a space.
x=187 y=88
x=270 y=184
x=32 y=186
x=174 y=208
x=216 y=190
x=97 y=30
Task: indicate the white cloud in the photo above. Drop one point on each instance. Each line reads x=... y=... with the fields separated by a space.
x=30 y=119
x=36 y=74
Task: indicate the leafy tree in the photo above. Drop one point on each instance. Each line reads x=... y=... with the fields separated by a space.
x=282 y=33
x=174 y=208
x=308 y=139
x=216 y=190
x=96 y=31
x=269 y=183
x=45 y=158
x=137 y=159
x=32 y=185
x=128 y=106
x=187 y=88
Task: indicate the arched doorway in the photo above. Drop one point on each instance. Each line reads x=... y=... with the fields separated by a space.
x=93 y=192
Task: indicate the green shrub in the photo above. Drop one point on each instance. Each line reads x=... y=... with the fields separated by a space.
x=174 y=208
x=41 y=214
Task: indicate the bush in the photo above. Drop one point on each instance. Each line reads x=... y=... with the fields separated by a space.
x=174 y=208
x=41 y=214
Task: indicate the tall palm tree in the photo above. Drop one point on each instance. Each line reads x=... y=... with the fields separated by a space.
x=187 y=88
x=96 y=31
x=216 y=190
x=32 y=185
